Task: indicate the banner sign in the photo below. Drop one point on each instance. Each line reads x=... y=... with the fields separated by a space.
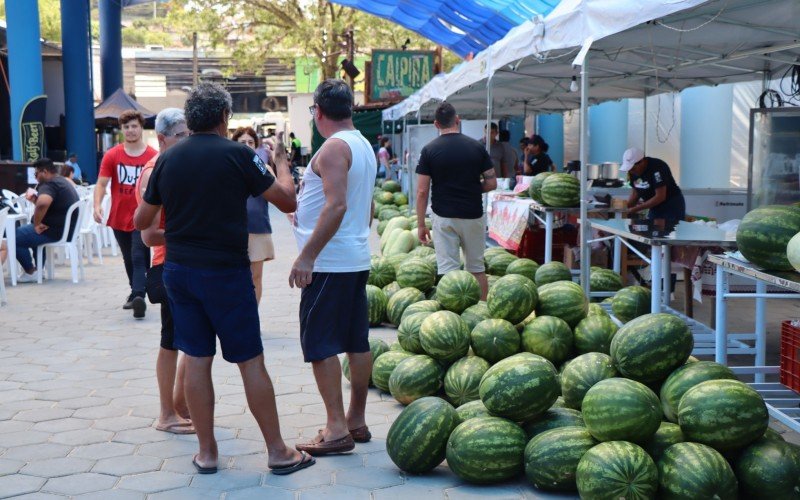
x=399 y=73
x=31 y=129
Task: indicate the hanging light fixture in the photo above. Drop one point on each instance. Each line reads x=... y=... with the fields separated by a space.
x=573 y=85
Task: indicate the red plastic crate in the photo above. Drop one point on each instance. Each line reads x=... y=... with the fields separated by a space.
x=790 y=356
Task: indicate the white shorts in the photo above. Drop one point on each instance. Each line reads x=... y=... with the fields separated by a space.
x=450 y=236
x=259 y=247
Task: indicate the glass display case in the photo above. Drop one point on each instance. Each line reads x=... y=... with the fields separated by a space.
x=774 y=170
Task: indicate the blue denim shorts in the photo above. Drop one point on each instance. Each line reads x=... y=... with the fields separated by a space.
x=207 y=304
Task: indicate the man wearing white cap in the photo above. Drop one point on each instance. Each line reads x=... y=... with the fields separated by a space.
x=654 y=187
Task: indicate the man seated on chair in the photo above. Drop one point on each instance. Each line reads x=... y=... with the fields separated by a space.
x=54 y=195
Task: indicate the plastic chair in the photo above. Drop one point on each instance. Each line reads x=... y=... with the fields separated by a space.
x=108 y=234
x=3 y=298
x=71 y=245
x=91 y=237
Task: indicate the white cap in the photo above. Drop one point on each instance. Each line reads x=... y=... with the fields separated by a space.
x=631 y=157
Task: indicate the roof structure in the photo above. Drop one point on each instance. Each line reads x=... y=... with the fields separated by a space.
x=463 y=26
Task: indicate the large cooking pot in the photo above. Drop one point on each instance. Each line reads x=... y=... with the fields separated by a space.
x=593 y=172
x=609 y=170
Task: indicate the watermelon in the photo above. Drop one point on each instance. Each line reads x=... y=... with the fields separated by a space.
x=650 y=347
x=381 y=273
x=769 y=469
x=463 y=378
x=525 y=267
x=391 y=225
x=498 y=264
x=494 y=339
x=549 y=337
x=561 y=190
x=397 y=260
x=444 y=336
x=417 y=439
x=604 y=280
x=512 y=298
x=559 y=403
x=594 y=333
x=619 y=409
x=617 y=470
x=764 y=234
x=520 y=388
x=475 y=314
x=552 y=272
x=416 y=273
x=399 y=301
x=581 y=374
x=551 y=458
x=631 y=302
x=686 y=377
x=390 y=289
x=381 y=226
x=693 y=471
x=771 y=433
x=666 y=435
x=596 y=310
x=395 y=346
x=383 y=367
x=377 y=348
x=486 y=450
x=553 y=419
x=376 y=305
x=724 y=414
x=391 y=186
x=793 y=252
x=563 y=299
x=400 y=199
x=408 y=331
x=421 y=306
x=415 y=377
x=491 y=252
x=401 y=244
x=491 y=279
x=473 y=409
x=422 y=251
x=388 y=212
x=458 y=290
x=535 y=188
x=525 y=322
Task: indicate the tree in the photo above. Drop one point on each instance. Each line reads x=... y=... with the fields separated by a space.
x=256 y=29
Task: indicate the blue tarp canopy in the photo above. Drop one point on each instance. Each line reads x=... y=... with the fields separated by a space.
x=462 y=26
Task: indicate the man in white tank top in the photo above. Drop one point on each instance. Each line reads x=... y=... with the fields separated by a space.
x=331 y=225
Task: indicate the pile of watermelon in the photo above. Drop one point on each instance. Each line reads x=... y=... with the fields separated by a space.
x=769 y=237
x=558 y=190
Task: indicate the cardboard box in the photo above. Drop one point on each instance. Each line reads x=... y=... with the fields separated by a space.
x=572 y=257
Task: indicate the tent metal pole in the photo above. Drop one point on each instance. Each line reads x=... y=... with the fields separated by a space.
x=585 y=230
x=404 y=152
x=489 y=105
x=644 y=141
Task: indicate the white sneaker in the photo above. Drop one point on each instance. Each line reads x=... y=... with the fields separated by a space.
x=27 y=278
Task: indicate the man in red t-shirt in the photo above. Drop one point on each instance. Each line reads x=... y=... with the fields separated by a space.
x=121 y=166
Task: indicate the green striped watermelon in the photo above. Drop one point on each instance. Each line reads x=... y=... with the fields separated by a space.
x=582 y=373
x=650 y=347
x=494 y=339
x=666 y=435
x=617 y=470
x=563 y=299
x=549 y=337
x=724 y=414
x=377 y=348
x=417 y=439
x=596 y=310
x=431 y=294
x=475 y=314
x=416 y=273
x=525 y=322
x=395 y=346
x=422 y=251
x=684 y=378
x=521 y=387
x=553 y=419
x=390 y=290
x=512 y=298
x=693 y=471
x=498 y=264
x=631 y=302
x=400 y=199
x=458 y=290
x=463 y=378
x=769 y=469
x=415 y=377
x=594 y=333
x=525 y=267
x=381 y=273
x=383 y=367
x=376 y=305
x=397 y=260
x=408 y=331
x=444 y=336
x=391 y=186
x=771 y=433
x=491 y=252
x=551 y=458
x=552 y=272
x=561 y=190
x=399 y=301
x=421 y=306
x=486 y=450
x=559 y=403
x=619 y=409
x=604 y=280
x=535 y=188
x=473 y=409
x=764 y=234
x=387 y=212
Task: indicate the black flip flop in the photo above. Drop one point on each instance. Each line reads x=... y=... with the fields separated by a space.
x=201 y=469
x=302 y=464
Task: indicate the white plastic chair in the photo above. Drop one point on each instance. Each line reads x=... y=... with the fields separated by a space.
x=71 y=246
x=108 y=234
x=3 y=298
x=91 y=237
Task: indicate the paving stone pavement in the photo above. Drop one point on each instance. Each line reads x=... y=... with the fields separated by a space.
x=78 y=400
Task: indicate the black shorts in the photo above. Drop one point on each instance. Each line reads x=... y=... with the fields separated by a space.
x=334 y=316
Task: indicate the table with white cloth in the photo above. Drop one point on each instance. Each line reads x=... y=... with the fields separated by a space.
x=11 y=243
